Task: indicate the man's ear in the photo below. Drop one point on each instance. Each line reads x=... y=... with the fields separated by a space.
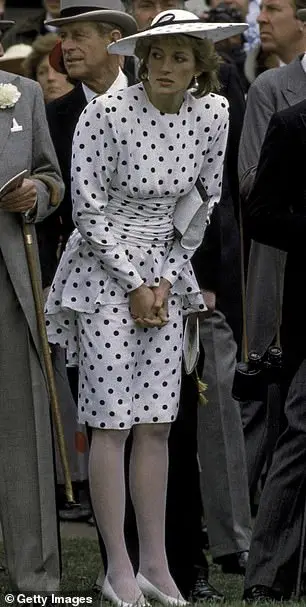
x=115 y=35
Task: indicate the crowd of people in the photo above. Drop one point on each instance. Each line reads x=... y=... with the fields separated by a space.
x=163 y=197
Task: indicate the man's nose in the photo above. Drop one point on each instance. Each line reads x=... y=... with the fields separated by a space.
x=68 y=45
x=262 y=17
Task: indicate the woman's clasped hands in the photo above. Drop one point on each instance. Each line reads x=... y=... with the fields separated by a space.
x=149 y=305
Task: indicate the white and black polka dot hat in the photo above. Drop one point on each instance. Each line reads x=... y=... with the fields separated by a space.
x=176 y=21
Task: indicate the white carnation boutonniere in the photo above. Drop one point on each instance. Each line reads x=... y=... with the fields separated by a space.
x=9 y=95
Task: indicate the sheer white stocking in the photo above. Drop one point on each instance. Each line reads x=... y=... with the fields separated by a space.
x=107 y=487
x=148 y=486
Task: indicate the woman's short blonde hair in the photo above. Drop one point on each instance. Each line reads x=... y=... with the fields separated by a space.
x=206 y=58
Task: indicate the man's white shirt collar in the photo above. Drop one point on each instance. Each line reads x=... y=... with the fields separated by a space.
x=303 y=62
x=121 y=82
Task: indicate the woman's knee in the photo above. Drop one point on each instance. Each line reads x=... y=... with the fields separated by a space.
x=107 y=437
x=147 y=432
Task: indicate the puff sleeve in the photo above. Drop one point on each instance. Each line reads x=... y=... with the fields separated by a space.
x=94 y=161
x=211 y=178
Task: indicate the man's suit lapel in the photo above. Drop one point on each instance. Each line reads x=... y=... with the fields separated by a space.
x=74 y=102
x=7 y=115
x=294 y=90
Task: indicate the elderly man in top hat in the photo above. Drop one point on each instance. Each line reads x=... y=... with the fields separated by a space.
x=27 y=495
x=86 y=27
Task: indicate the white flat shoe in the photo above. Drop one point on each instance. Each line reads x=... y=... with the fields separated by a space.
x=109 y=594
x=152 y=592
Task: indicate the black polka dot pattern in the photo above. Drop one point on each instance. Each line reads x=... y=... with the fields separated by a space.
x=123 y=395
x=131 y=163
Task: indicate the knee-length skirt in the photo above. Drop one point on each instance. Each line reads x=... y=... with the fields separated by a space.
x=128 y=375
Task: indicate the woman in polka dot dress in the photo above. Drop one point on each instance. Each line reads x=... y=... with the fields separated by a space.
x=125 y=279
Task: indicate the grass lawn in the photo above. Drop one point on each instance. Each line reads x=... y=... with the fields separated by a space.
x=81 y=563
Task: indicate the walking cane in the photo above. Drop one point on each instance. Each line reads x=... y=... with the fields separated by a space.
x=39 y=306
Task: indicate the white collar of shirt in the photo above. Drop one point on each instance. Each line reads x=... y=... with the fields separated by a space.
x=121 y=82
x=50 y=28
x=303 y=63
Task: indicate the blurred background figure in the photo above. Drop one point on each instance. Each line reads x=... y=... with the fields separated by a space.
x=13 y=58
x=249 y=10
x=145 y=11
x=231 y=49
x=2 y=7
x=251 y=59
x=28 y=29
x=37 y=66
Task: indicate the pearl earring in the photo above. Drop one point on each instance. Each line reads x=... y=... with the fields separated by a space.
x=194 y=85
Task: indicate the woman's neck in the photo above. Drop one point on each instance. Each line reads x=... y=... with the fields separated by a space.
x=168 y=104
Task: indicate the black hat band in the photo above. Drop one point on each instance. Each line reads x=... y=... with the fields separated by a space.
x=74 y=12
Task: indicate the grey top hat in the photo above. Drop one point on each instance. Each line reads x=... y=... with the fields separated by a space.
x=5 y=25
x=72 y=11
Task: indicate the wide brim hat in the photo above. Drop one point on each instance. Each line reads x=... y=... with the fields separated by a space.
x=14 y=57
x=176 y=21
x=73 y=11
x=5 y=24
x=301 y=14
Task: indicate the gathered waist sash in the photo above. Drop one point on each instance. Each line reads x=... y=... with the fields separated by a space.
x=140 y=222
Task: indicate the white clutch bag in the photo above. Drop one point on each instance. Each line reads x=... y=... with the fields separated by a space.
x=191 y=343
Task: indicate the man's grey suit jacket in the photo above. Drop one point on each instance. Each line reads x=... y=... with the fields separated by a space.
x=274 y=90
x=28 y=510
x=30 y=148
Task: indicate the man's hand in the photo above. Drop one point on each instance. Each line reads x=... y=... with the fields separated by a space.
x=21 y=199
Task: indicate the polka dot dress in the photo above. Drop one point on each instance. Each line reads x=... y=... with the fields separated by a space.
x=130 y=165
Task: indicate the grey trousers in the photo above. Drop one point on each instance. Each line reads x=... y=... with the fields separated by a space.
x=27 y=495
x=224 y=483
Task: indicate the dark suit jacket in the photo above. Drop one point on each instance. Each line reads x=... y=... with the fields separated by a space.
x=276 y=215
x=63 y=115
x=217 y=261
